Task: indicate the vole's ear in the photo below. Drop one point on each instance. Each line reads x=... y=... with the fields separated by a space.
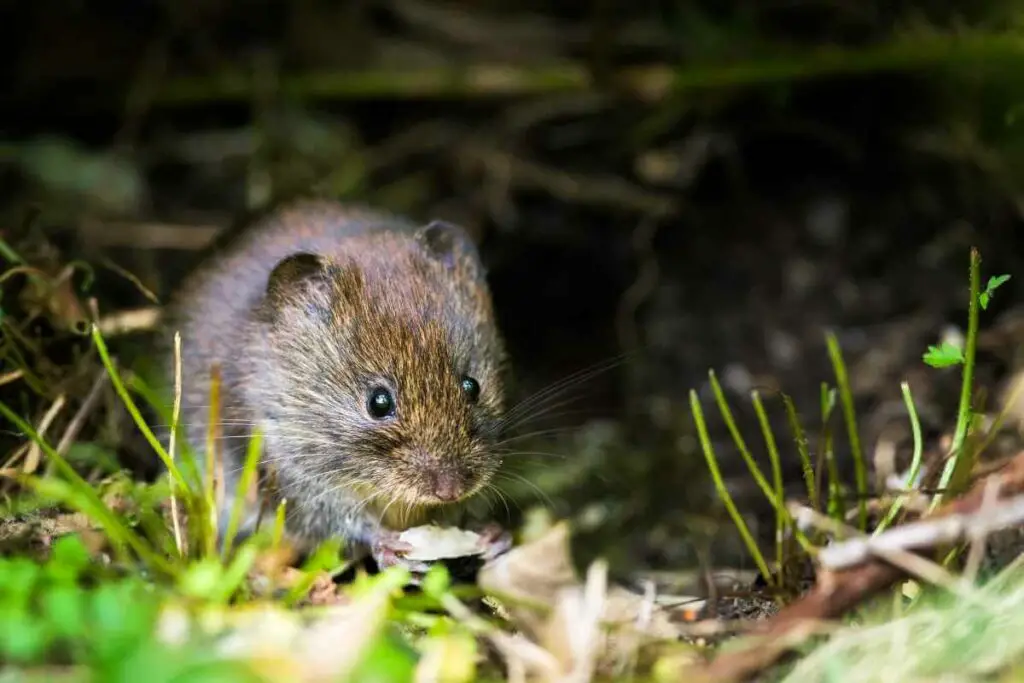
x=448 y=243
x=291 y=274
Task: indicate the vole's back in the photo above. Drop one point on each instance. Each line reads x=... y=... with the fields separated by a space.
x=221 y=292
x=312 y=312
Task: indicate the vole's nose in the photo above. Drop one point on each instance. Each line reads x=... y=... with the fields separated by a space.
x=447 y=486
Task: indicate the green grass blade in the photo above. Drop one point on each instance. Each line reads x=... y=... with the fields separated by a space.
x=846 y=399
x=741 y=445
x=235 y=573
x=278 y=535
x=252 y=458
x=185 y=453
x=915 y=465
x=782 y=518
x=723 y=492
x=325 y=557
x=133 y=409
x=827 y=459
x=212 y=457
x=959 y=461
x=805 y=455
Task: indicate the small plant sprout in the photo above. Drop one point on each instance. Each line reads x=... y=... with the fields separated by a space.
x=994 y=283
x=948 y=354
x=945 y=355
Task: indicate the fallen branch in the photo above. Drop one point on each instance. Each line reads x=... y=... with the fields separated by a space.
x=927 y=533
x=838 y=591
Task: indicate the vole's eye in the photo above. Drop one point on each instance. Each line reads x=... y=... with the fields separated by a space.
x=471 y=388
x=381 y=403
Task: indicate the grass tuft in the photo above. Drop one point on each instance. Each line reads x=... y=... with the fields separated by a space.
x=723 y=492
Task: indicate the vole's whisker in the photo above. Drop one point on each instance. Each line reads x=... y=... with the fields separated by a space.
x=501 y=496
x=537 y=434
x=564 y=384
x=384 y=511
x=548 y=413
x=540 y=454
x=513 y=477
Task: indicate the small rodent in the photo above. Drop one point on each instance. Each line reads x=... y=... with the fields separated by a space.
x=366 y=349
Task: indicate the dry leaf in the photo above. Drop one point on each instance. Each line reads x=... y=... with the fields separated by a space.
x=587 y=628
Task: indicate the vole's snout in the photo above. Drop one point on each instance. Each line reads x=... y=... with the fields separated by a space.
x=447 y=486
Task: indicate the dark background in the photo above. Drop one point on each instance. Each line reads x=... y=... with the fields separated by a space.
x=814 y=165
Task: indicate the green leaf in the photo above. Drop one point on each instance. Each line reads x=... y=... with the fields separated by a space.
x=70 y=552
x=387 y=660
x=121 y=618
x=22 y=638
x=202 y=579
x=437 y=581
x=64 y=608
x=994 y=283
x=20 y=577
x=944 y=355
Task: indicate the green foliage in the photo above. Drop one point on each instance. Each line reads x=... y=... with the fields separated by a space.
x=994 y=283
x=723 y=492
x=946 y=354
x=969 y=635
x=959 y=462
x=68 y=610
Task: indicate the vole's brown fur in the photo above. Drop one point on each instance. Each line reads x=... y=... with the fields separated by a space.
x=301 y=343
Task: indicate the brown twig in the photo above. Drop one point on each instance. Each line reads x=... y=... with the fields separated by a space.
x=134 y=320
x=147 y=235
x=836 y=592
x=595 y=190
x=35 y=453
x=896 y=553
x=78 y=419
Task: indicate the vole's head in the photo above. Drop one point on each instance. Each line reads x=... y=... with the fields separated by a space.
x=382 y=370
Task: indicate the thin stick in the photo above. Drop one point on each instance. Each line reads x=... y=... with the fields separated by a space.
x=976 y=554
x=175 y=416
x=75 y=425
x=35 y=453
x=926 y=533
x=133 y=320
x=913 y=565
x=12 y=376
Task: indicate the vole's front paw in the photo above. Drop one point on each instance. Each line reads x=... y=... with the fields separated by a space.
x=389 y=551
x=495 y=540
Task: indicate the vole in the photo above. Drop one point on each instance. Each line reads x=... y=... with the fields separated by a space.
x=365 y=348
